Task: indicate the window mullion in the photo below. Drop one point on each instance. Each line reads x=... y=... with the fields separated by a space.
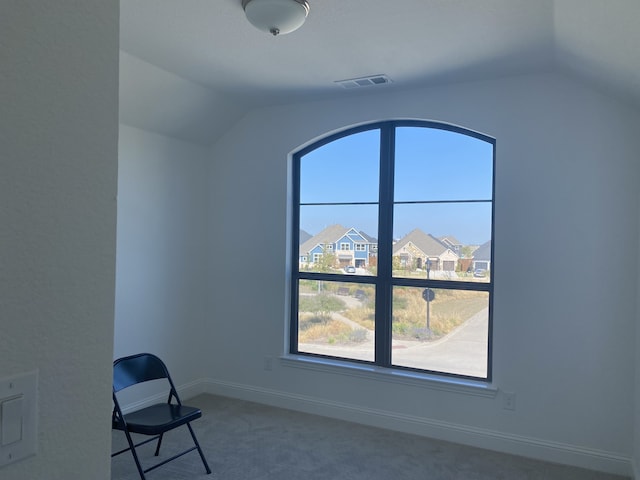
x=385 y=247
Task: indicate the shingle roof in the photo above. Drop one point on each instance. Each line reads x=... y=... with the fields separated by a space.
x=304 y=236
x=426 y=242
x=368 y=238
x=329 y=235
x=483 y=252
x=450 y=239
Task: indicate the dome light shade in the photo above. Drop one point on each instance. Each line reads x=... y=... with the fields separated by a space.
x=276 y=16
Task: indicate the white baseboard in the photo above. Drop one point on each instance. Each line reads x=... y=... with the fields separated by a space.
x=550 y=451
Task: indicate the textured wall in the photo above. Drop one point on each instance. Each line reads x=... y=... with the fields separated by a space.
x=58 y=137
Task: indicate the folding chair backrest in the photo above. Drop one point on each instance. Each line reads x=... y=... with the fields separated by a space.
x=138 y=368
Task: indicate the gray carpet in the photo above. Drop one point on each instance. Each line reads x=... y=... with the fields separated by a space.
x=249 y=441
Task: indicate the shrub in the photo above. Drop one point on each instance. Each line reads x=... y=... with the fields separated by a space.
x=358 y=336
x=322 y=305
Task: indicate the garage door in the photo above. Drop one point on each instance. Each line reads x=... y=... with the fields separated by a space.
x=449 y=265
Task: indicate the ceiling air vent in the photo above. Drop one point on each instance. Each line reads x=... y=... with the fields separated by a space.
x=364 y=81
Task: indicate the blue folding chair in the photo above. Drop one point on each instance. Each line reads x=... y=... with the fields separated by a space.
x=154 y=420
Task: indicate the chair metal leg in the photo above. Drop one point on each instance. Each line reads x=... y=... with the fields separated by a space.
x=159 y=443
x=135 y=455
x=195 y=440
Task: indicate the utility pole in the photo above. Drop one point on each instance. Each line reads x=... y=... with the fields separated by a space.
x=427 y=295
x=428 y=298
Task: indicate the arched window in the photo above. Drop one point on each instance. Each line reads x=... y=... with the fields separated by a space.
x=392 y=248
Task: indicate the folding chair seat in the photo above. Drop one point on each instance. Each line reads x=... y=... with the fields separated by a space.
x=154 y=420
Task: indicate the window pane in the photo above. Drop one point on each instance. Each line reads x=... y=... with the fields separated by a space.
x=433 y=164
x=345 y=170
x=336 y=319
x=337 y=236
x=448 y=333
x=450 y=241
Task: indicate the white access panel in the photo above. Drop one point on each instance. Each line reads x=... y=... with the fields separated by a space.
x=18 y=417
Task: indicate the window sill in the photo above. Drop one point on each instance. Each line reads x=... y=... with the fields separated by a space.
x=372 y=372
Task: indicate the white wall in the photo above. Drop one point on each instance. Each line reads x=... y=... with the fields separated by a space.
x=636 y=445
x=58 y=137
x=160 y=101
x=161 y=291
x=564 y=339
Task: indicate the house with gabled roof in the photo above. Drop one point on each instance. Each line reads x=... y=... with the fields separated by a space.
x=349 y=246
x=417 y=248
x=482 y=257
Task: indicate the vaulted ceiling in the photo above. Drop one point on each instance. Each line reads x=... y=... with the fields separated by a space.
x=191 y=67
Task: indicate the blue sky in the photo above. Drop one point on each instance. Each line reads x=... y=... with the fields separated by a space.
x=432 y=165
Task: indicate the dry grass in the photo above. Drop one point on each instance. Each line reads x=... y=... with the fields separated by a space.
x=313 y=329
x=448 y=310
x=363 y=316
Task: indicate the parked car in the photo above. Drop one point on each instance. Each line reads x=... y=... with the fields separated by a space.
x=350 y=269
x=479 y=273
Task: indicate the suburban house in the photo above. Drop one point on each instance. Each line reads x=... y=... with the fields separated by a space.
x=347 y=245
x=422 y=250
x=146 y=207
x=482 y=257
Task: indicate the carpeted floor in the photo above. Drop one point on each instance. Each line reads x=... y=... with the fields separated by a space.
x=249 y=441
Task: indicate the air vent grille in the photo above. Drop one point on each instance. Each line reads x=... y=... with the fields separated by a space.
x=364 y=81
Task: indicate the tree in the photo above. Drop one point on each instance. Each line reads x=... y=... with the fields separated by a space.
x=321 y=305
x=395 y=263
x=326 y=261
x=467 y=251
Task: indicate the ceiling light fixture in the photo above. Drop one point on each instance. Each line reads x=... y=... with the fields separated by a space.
x=276 y=16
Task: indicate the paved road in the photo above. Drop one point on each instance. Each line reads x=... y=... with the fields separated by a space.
x=463 y=351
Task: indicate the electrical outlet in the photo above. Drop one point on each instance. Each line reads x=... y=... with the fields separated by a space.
x=508 y=400
x=268 y=363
